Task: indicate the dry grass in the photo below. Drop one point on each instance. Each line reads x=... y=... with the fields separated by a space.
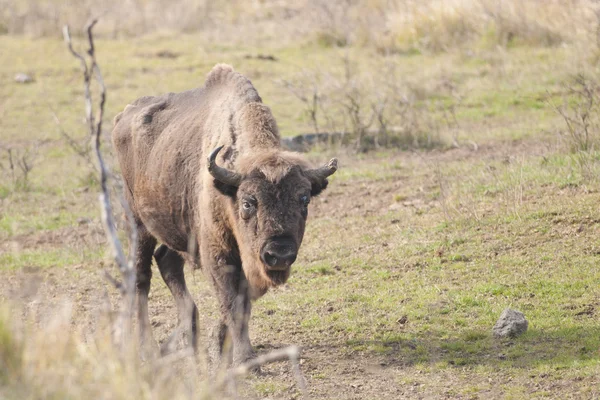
x=55 y=362
x=442 y=25
x=224 y=20
x=46 y=17
x=389 y=25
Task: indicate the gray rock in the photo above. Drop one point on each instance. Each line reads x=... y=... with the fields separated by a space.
x=510 y=324
x=23 y=78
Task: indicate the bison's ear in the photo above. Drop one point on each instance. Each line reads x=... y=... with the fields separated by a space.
x=318 y=186
x=318 y=176
x=224 y=188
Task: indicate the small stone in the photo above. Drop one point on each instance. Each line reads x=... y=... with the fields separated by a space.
x=511 y=323
x=23 y=78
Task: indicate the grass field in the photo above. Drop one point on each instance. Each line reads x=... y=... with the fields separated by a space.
x=410 y=255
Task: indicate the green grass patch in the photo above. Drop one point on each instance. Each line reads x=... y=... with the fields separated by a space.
x=49 y=258
x=14 y=224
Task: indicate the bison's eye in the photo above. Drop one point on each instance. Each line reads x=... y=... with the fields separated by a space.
x=248 y=207
x=305 y=200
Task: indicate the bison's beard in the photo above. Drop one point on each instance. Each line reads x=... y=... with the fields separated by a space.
x=278 y=277
x=261 y=279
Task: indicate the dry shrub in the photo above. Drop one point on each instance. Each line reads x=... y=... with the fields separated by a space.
x=16 y=163
x=580 y=111
x=367 y=108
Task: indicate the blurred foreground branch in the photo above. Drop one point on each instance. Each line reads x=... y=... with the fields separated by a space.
x=91 y=70
x=291 y=353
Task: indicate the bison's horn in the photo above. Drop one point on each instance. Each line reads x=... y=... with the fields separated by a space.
x=222 y=174
x=326 y=170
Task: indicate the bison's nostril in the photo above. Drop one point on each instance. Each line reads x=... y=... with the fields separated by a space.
x=278 y=261
x=270 y=259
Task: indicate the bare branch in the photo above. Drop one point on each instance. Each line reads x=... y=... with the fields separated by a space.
x=67 y=38
x=171 y=358
x=114 y=282
x=126 y=266
x=291 y=353
x=311 y=98
x=86 y=78
x=80 y=149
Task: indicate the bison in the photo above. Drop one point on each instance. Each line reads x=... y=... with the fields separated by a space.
x=205 y=175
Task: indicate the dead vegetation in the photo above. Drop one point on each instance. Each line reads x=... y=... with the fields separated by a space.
x=580 y=111
x=17 y=162
x=388 y=25
x=371 y=108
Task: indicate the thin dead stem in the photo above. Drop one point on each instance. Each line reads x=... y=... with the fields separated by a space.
x=126 y=265
x=291 y=353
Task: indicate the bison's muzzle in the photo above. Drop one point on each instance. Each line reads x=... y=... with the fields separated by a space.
x=278 y=254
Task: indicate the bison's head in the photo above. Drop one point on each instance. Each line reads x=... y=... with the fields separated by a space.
x=269 y=205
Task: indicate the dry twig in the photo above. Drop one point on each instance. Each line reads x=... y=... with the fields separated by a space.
x=80 y=149
x=126 y=265
x=21 y=161
x=291 y=353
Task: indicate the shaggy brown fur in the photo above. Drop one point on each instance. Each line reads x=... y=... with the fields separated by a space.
x=244 y=235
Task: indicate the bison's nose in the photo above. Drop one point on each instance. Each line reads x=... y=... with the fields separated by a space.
x=279 y=256
x=279 y=261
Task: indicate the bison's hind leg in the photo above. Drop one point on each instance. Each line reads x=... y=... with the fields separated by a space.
x=144 y=249
x=170 y=264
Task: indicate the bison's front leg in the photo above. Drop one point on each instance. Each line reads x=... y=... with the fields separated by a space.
x=234 y=301
x=170 y=265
